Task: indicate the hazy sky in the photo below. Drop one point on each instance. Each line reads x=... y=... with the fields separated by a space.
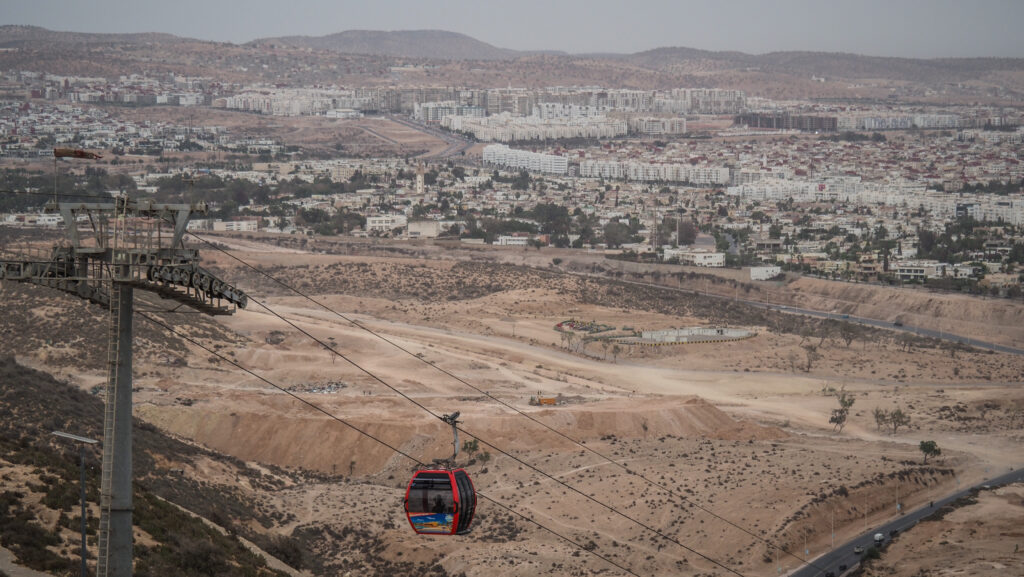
x=913 y=28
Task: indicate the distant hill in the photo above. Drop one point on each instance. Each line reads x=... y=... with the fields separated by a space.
x=433 y=44
x=829 y=64
x=357 y=56
x=14 y=36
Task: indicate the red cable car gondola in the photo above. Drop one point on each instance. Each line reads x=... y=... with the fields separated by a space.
x=441 y=501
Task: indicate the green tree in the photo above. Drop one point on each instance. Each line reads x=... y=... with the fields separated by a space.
x=881 y=417
x=615 y=234
x=930 y=449
x=553 y=218
x=897 y=419
x=848 y=333
x=839 y=416
x=521 y=181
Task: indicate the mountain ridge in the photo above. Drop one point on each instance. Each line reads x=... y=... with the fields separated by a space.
x=388 y=42
x=428 y=43
x=368 y=55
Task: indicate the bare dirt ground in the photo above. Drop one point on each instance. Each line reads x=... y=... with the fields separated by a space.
x=359 y=137
x=739 y=429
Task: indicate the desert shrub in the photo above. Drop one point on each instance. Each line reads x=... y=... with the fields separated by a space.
x=287 y=549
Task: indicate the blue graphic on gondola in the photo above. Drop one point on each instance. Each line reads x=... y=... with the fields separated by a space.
x=432 y=522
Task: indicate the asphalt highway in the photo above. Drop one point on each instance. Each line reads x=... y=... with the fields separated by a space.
x=456 y=144
x=942 y=335
x=844 y=555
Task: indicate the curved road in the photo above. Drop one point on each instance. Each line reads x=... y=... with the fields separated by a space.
x=456 y=144
x=941 y=335
x=844 y=555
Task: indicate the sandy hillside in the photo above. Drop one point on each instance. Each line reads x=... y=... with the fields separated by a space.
x=694 y=432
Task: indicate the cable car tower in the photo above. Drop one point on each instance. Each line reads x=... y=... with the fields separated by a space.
x=131 y=244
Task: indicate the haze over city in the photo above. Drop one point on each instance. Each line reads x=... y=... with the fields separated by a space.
x=900 y=28
x=457 y=289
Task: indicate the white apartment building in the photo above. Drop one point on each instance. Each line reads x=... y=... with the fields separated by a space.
x=433 y=112
x=701 y=101
x=385 y=222
x=657 y=126
x=559 y=110
x=507 y=128
x=896 y=121
x=501 y=155
x=649 y=172
x=251 y=225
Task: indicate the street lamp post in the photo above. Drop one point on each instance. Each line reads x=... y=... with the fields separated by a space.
x=833 y=517
x=81 y=452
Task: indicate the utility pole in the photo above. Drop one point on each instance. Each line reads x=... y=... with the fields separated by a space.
x=833 y=528
x=81 y=459
x=126 y=251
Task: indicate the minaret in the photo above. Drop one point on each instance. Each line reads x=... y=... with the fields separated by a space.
x=420 y=187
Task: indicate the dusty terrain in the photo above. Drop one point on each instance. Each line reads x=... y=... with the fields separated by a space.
x=738 y=429
x=360 y=137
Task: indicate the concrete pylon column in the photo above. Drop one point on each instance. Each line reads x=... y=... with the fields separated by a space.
x=116 y=489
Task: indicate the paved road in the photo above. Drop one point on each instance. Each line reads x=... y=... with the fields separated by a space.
x=844 y=555
x=456 y=144
x=942 y=335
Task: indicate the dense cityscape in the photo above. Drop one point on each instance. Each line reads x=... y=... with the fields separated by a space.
x=883 y=193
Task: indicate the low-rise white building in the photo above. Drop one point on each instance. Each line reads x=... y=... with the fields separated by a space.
x=251 y=225
x=764 y=272
x=385 y=222
x=429 y=228
x=512 y=240
x=695 y=257
x=920 y=269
